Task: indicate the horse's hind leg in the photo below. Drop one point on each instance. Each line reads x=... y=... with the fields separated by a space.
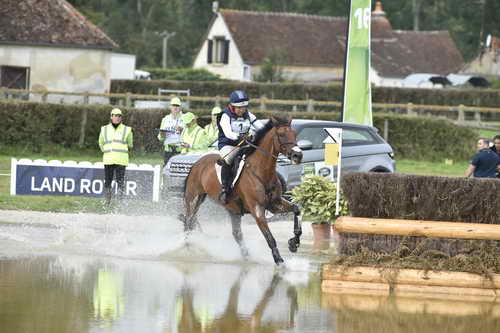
x=237 y=234
x=193 y=198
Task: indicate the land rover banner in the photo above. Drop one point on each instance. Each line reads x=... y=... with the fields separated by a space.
x=80 y=179
x=357 y=106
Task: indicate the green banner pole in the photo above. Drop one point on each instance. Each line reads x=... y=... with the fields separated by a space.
x=357 y=101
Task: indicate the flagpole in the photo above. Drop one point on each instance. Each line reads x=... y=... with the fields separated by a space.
x=346 y=46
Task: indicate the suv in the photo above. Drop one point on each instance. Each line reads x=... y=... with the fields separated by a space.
x=363 y=150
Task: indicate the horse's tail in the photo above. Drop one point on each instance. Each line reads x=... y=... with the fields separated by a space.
x=186 y=180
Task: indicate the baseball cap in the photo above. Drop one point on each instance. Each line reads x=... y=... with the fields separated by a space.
x=216 y=110
x=188 y=117
x=175 y=101
x=116 y=111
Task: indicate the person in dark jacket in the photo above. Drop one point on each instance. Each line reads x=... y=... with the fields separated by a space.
x=485 y=162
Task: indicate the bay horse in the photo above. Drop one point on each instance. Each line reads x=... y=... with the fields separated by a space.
x=257 y=189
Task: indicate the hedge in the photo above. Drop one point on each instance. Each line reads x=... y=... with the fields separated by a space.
x=36 y=124
x=319 y=92
x=413 y=197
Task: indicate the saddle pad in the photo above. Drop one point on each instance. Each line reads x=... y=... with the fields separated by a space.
x=238 y=173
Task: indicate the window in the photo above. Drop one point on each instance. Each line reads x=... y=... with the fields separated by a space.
x=14 y=77
x=246 y=73
x=218 y=50
x=350 y=136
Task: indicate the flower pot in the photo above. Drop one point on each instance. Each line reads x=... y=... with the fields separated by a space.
x=321 y=233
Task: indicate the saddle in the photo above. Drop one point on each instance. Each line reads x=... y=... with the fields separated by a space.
x=236 y=168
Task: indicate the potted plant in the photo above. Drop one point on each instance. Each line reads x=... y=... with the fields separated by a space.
x=317 y=197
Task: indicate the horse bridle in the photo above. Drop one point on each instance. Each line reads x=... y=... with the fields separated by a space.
x=282 y=144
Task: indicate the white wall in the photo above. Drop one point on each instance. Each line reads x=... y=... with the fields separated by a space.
x=234 y=69
x=62 y=69
x=122 y=66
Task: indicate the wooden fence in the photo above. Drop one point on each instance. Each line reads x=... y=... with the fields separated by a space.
x=463 y=115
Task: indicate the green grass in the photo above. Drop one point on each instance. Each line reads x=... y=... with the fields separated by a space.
x=82 y=204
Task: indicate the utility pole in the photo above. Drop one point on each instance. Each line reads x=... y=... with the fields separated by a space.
x=166 y=35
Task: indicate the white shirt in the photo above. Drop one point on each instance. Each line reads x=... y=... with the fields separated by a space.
x=225 y=124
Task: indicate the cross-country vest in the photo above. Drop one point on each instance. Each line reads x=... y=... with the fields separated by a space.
x=115 y=146
x=212 y=132
x=239 y=125
x=191 y=137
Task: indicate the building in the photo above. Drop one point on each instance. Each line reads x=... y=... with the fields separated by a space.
x=311 y=48
x=47 y=45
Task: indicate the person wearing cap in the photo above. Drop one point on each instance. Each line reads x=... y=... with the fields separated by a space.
x=234 y=126
x=115 y=141
x=211 y=129
x=170 y=130
x=193 y=138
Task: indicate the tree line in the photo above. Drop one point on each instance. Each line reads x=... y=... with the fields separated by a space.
x=137 y=25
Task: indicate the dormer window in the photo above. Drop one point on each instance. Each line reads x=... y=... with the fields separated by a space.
x=218 y=50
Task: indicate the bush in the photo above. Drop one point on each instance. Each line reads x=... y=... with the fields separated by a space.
x=33 y=124
x=182 y=74
x=317 y=196
x=319 y=92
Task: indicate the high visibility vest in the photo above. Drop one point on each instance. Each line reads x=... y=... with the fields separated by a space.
x=196 y=139
x=212 y=132
x=114 y=144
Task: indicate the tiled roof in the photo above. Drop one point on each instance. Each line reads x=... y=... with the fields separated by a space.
x=48 y=22
x=320 y=41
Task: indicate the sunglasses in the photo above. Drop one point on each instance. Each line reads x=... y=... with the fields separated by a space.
x=116 y=115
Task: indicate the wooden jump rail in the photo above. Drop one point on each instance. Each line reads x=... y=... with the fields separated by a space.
x=362 y=225
x=404 y=281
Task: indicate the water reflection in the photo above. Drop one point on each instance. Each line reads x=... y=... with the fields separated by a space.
x=78 y=294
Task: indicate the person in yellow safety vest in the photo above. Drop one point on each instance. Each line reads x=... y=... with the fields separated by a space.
x=193 y=138
x=211 y=130
x=170 y=130
x=115 y=141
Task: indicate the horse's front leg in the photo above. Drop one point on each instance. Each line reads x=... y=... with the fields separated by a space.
x=259 y=214
x=282 y=206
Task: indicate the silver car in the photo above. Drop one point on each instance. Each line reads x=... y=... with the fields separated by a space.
x=363 y=149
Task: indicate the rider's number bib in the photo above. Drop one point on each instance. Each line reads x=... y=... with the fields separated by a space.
x=240 y=125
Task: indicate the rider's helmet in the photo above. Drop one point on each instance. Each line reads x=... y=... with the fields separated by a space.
x=238 y=98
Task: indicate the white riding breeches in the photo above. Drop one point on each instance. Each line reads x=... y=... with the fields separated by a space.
x=228 y=153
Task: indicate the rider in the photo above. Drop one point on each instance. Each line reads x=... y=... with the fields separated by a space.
x=234 y=126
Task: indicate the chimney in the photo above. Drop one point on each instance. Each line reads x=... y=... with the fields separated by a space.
x=215 y=7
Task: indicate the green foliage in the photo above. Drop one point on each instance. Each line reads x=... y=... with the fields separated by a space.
x=182 y=74
x=269 y=71
x=317 y=196
x=317 y=92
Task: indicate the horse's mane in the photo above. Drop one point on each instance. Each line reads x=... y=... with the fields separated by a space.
x=261 y=133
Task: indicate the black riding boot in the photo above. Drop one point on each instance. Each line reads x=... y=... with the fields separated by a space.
x=226 y=179
x=107 y=197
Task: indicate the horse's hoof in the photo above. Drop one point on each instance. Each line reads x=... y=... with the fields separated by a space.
x=293 y=245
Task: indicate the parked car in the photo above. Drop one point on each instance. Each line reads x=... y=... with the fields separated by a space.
x=363 y=149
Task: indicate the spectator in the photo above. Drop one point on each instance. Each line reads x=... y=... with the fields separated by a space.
x=193 y=138
x=496 y=144
x=485 y=162
x=211 y=130
x=115 y=141
x=170 y=130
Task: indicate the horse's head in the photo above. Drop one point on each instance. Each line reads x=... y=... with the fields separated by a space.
x=285 y=140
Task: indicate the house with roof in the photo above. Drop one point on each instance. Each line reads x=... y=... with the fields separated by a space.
x=487 y=63
x=311 y=48
x=49 y=45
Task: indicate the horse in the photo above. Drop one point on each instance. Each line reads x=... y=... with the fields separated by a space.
x=258 y=188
